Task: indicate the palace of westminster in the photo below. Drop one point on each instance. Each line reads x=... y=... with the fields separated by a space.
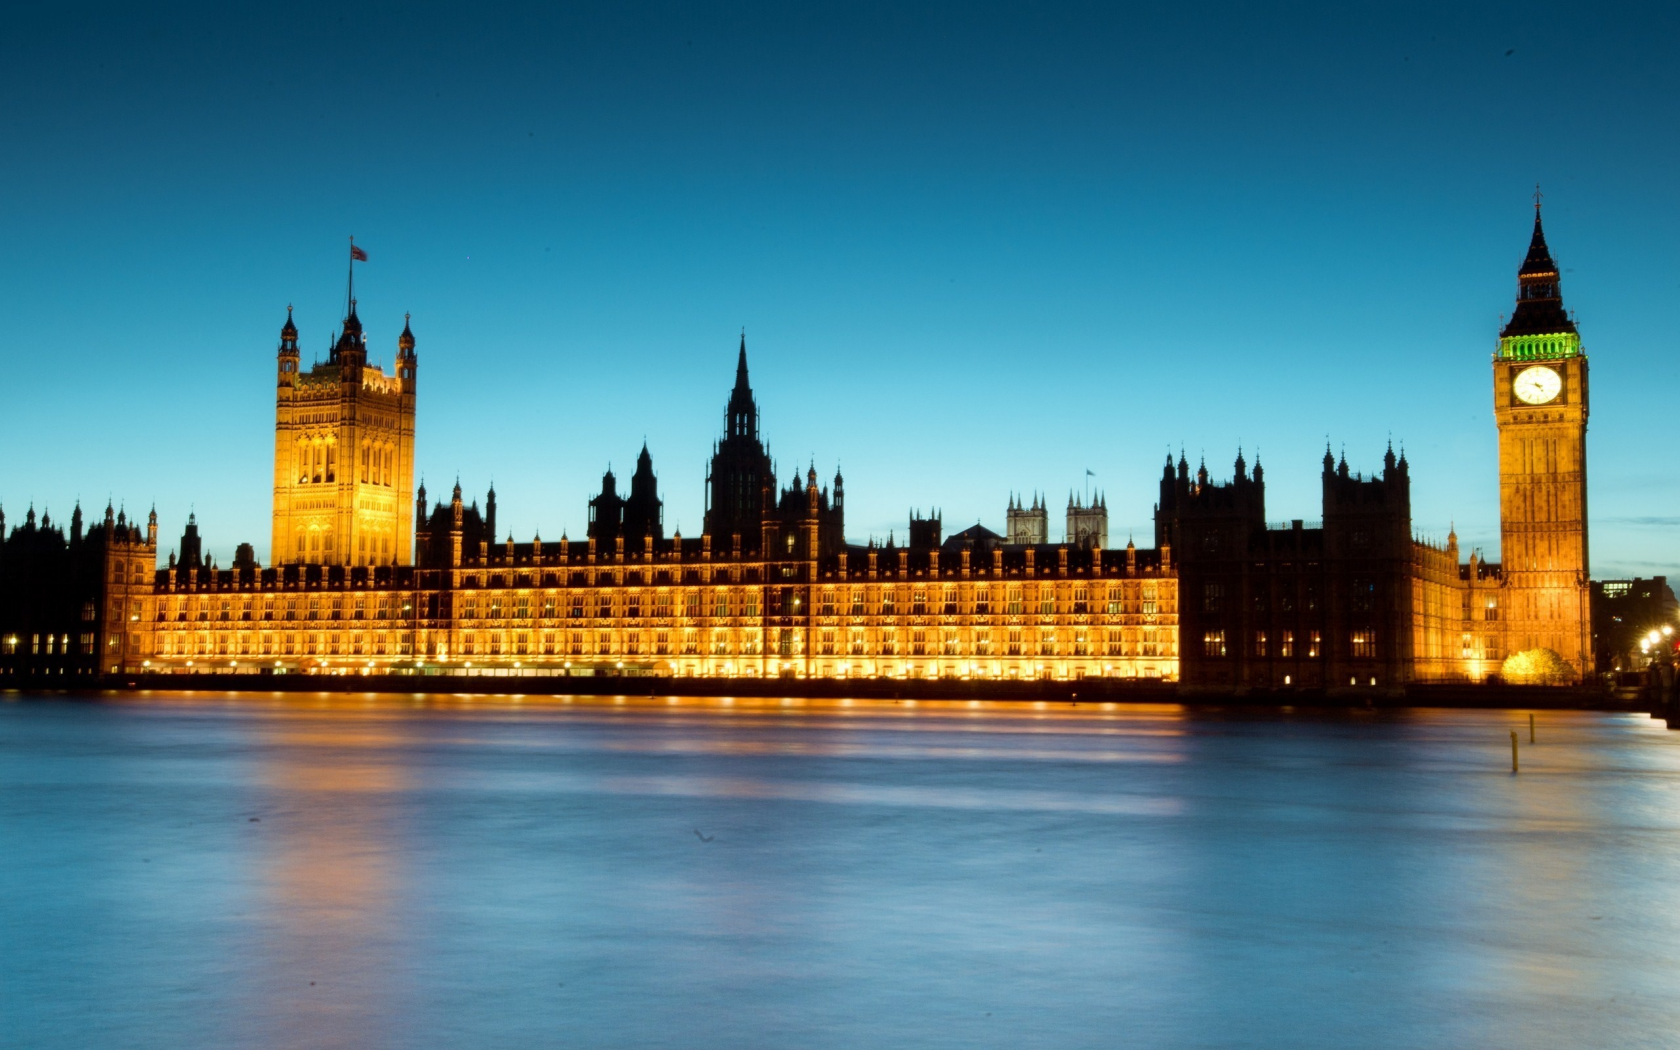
x=368 y=576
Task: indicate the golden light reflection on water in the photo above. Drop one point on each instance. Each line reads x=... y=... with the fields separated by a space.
x=326 y=874
x=491 y=703
x=363 y=724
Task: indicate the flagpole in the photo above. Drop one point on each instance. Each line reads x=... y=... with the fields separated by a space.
x=350 y=293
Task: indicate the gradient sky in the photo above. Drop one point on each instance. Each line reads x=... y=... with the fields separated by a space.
x=975 y=249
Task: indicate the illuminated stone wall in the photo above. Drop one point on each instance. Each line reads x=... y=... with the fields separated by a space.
x=888 y=613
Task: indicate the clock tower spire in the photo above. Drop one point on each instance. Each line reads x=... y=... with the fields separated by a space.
x=1540 y=406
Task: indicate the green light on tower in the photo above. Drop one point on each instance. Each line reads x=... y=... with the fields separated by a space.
x=1547 y=347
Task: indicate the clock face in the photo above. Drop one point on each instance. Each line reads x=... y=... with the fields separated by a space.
x=1536 y=385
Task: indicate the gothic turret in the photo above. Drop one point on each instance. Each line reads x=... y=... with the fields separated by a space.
x=644 y=511
x=192 y=547
x=606 y=512
x=288 y=354
x=407 y=361
x=926 y=532
x=351 y=348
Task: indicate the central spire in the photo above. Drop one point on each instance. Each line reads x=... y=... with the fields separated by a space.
x=742 y=414
x=741 y=385
x=740 y=469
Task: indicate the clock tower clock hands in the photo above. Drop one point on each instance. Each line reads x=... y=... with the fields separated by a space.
x=1537 y=385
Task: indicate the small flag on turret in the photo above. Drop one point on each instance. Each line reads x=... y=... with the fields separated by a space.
x=357 y=254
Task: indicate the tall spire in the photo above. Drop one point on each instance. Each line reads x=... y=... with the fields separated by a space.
x=1539 y=293
x=741 y=417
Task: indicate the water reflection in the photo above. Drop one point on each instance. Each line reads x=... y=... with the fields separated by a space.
x=455 y=873
x=324 y=883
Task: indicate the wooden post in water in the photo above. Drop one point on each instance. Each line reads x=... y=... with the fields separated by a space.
x=1531 y=727
x=1513 y=750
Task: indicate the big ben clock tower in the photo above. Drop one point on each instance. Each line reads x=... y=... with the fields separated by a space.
x=1540 y=404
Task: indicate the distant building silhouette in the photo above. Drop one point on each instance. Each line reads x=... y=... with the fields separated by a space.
x=1024 y=524
x=1087 y=526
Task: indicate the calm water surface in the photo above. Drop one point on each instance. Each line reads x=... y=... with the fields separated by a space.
x=306 y=872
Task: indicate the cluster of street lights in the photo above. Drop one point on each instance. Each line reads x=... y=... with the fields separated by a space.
x=1656 y=638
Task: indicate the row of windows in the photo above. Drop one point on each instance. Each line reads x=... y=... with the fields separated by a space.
x=720 y=602
x=136 y=573
x=286 y=644
x=1018 y=598
x=360 y=607
x=1362 y=644
x=47 y=644
x=317 y=462
x=786 y=642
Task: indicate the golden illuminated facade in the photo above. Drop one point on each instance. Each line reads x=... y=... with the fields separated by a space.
x=681 y=609
x=1540 y=404
x=343 y=453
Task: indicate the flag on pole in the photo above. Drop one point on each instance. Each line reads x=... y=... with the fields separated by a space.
x=357 y=254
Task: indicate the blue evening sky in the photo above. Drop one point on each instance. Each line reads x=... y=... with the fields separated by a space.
x=975 y=248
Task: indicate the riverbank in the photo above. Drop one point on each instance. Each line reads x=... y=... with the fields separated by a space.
x=1073 y=692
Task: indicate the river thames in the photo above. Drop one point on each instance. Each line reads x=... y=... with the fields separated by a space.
x=398 y=872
